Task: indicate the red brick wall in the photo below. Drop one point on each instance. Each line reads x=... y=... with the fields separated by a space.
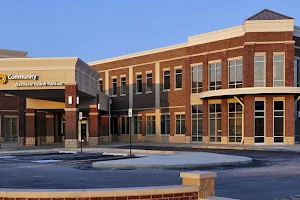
x=224 y=117
x=71 y=116
x=269 y=116
x=171 y=196
x=104 y=126
x=50 y=125
x=205 y=117
x=289 y=65
x=269 y=69
x=30 y=123
x=224 y=71
x=94 y=122
x=248 y=62
x=289 y=116
x=249 y=116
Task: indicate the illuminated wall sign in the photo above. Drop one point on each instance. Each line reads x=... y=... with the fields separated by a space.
x=22 y=77
x=41 y=84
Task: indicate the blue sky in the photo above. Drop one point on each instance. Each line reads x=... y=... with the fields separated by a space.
x=99 y=29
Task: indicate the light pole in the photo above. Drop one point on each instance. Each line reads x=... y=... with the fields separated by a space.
x=130 y=116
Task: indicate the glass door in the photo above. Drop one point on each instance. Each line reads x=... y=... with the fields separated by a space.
x=259 y=122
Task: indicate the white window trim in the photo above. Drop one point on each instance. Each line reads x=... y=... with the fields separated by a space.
x=276 y=54
x=136 y=85
x=179 y=113
x=198 y=65
x=166 y=69
x=175 y=68
x=283 y=121
x=123 y=76
x=151 y=125
x=216 y=134
x=231 y=59
x=149 y=72
x=265 y=70
x=235 y=123
x=112 y=84
x=214 y=62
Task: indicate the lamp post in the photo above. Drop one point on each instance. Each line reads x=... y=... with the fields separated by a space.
x=130 y=116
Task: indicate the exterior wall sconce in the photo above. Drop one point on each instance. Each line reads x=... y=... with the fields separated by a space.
x=77 y=100
x=70 y=100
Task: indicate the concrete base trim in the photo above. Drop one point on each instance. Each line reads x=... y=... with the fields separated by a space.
x=71 y=143
x=94 y=140
x=49 y=139
x=30 y=141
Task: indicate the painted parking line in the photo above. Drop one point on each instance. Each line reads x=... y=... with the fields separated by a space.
x=7 y=157
x=46 y=161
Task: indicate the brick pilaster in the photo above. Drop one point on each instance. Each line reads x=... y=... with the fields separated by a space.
x=187 y=89
x=249 y=119
x=49 y=128
x=205 y=121
x=94 y=133
x=224 y=137
x=289 y=64
x=248 y=65
x=205 y=83
x=30 y=139
x=269 y=69
x=71 y=114
x=269 y=120
x=289 y=120
x=224 y=71
x=21 y=108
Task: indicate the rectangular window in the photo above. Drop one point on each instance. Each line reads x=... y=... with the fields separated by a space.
x=197 y=79
x=215 y=122
x=259 y=122
x=166 y=84
x=165 y=124
x=137 y=124
x=114 y=125
x=123 y=86
x=180 y=124
x=197 y=127
x=150 y=123
x=259 y=71
x=149 y=82
x=297 y=72
x=124 y=125
x=114 y=87
x=278 y=70
x=278 y=121
x=101 y=85
x=215 y=76
x=235 y=122
x=178 y=78
x=139 y=83
x=235 y=73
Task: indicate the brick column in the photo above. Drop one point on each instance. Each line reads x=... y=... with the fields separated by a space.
x=205 y=83
x=289 y=136
x=94 y=133
x=224 y=71
x=21 y=108
x=248 y=65
x=49 y=127
x=205 y=121
x=249 y=119
x=269 y=120
x=187 y=88
x=71 y=113
x=224 y=137
x=289 y=63
x=269 y=69
x=30 y=139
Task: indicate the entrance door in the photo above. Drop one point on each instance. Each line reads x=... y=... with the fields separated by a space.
x=11 y=129
x=259 y=122
x=83 y=130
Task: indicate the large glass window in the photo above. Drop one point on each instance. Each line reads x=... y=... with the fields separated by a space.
x=215 y=122
x=297 y=72
x=278 y=70
x=197 y=79
x=235 y=122
x=123 y=86
x=149 y=82
x=259 y=122
x=124 y=125
x=150 y=123
x=235 y=73
x=114 y=87
x=197 y=125
x=114 y=125
x=137 y=121
x=166 y=83
x=259 y=71
x=215 y=76
x=139 y=83
x=278 y=121
x=180 y=124
x=165 y=124
x=178 y=78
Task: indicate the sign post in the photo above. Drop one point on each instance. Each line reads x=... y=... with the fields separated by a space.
x=130 y=116
x=81 y=140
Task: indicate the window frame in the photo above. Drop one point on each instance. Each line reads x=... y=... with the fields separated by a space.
x=235 y=122
x=216 y=118
x=198 y=89
x=297 y=71
x=181 y=119
x=123 y=90
x=147 y=79
x=265 y=74
x=175 y=77
x=126 y=125
x=137 y=119
x=114 y=94
x=165 y=124
x=274 y=81
x=197 y=116
x=153 y=120
x=100 y=81
x=165 y=70
x=136 y=84
x=283 y=120
x=235 y=72
x=216 y=86
x=264 y=117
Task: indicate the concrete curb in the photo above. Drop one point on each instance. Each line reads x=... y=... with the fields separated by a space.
x=28 y=152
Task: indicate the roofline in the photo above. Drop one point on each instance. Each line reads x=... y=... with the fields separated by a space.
x=249 y=18
x=39 y=58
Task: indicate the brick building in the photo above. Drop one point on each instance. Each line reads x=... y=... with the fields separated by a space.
x=237 y=85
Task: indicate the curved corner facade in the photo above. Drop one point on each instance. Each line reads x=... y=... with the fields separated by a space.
x=234 y=86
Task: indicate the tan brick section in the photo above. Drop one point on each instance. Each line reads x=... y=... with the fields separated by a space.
x=30 y=127
x=71 y=115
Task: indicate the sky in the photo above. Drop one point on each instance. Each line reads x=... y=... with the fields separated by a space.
x=99 y=29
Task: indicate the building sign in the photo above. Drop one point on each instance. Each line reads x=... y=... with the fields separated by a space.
x=4 y=79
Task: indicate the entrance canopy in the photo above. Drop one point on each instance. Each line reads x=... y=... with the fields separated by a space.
x=45 y=79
